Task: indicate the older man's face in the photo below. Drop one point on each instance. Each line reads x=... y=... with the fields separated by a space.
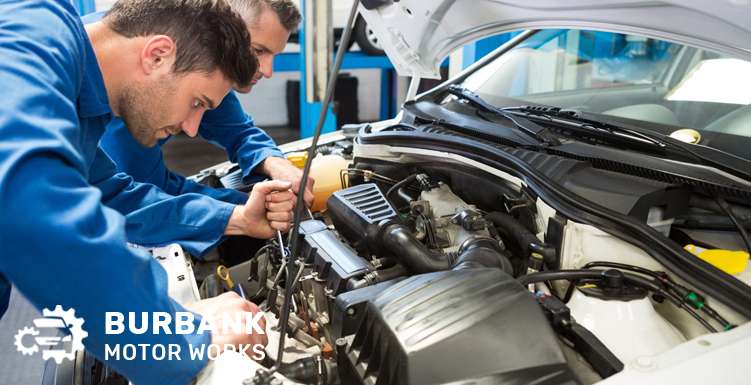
x=268 y=38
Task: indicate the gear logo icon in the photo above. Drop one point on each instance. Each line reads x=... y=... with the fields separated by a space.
x=25 y=350
x=65 y=322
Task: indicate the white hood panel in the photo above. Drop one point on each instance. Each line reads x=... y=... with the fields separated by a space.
x=418 y=34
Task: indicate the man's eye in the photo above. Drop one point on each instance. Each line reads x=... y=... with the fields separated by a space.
x=197 y=104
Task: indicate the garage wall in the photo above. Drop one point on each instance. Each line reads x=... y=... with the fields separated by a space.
x=267 y=102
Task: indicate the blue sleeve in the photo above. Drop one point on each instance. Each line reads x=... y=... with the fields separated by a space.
x=231 y=128
x=154 y=218
x=58 y=244
x=147 y=165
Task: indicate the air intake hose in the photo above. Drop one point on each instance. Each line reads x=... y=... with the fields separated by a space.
x=398 y=240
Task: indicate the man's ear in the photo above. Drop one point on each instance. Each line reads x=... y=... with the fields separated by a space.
x=158 y=55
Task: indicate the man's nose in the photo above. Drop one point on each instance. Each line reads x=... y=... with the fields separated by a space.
x=266 y=66
x=190 y=125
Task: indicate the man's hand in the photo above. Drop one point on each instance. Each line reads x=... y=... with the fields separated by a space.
x=268 y=209
x=282 y=169
x=227 y=307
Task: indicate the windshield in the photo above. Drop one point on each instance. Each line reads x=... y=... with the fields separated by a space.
x=668 y=85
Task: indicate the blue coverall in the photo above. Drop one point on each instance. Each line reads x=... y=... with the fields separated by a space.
x=62 y=230
x=228 y=126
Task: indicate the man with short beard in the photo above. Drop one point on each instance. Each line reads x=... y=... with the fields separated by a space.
x=62 y=233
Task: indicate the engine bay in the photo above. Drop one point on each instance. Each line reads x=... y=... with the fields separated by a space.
x=429 y=268
x=424 y=265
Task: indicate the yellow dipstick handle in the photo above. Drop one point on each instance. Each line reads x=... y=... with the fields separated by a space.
x=223 y=273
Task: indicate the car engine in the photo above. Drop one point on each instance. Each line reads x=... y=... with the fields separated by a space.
x=427 y=268
x=431 y=272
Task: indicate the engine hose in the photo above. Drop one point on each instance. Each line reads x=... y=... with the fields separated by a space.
x=377 y=276
x=476 y=253
x=482 y=253
x=402 y=183
x=400 y=241
x=526 y=242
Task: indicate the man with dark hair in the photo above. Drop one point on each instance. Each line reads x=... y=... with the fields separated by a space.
x=270 y=23
x=62 y=233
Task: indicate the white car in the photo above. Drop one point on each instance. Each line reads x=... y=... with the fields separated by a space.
x=573 y=208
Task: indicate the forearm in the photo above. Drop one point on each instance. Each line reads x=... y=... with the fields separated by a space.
x=237 y=223
x=154 y=218
x=271 y=164
x=223 y=194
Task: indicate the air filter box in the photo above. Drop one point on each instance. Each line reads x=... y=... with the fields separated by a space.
x=356 y=212
x=470 y=326
x=333 y=260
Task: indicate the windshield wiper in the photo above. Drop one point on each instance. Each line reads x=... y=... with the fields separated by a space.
x=654 y=142
x=572 y=118
x=525 y=125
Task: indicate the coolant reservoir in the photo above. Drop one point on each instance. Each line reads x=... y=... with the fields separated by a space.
x=326 y=171
x=630 y=329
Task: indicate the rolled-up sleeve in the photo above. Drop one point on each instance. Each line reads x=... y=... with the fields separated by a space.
x=231 y=128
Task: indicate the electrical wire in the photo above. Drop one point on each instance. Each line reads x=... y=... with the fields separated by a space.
x=592 y=274
x=741 y=228
x=680 y=291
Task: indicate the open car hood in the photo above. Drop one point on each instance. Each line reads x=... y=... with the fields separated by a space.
x=418 y=34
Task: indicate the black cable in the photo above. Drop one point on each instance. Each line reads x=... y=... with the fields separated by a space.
x=559 y=275
x=662 y=277
x=623 y=266
x=742 y=229
x=404 y=182
x=403 y=194
x=599 y=274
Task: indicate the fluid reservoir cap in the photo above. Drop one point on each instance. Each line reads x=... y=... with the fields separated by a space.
x=729 y=261
x=613 y=287
x=688 y=135
x=612 y=279
x=298 y=158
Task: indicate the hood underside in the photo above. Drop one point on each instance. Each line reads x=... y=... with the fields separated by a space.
x=417 y=34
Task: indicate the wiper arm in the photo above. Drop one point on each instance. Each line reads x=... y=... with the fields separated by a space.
x=573 y=118
x=651 y=142
x=523 y=124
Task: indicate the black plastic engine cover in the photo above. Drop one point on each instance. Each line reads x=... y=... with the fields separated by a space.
x=450 y=326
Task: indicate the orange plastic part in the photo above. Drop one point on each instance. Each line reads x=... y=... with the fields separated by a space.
x=326 y=171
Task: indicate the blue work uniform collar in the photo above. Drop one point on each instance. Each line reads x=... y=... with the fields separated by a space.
x=92 y=100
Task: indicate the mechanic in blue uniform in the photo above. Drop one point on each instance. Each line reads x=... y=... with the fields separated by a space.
x=270 y=24
x=62 y=230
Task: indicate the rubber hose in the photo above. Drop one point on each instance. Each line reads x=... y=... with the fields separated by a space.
x=398 y=240
x=515 y=230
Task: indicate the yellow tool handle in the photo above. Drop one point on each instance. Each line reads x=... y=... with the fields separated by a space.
x=223 y=273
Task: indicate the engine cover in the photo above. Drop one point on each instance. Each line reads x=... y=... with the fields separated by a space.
x=450 y=326
x=332 y=260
